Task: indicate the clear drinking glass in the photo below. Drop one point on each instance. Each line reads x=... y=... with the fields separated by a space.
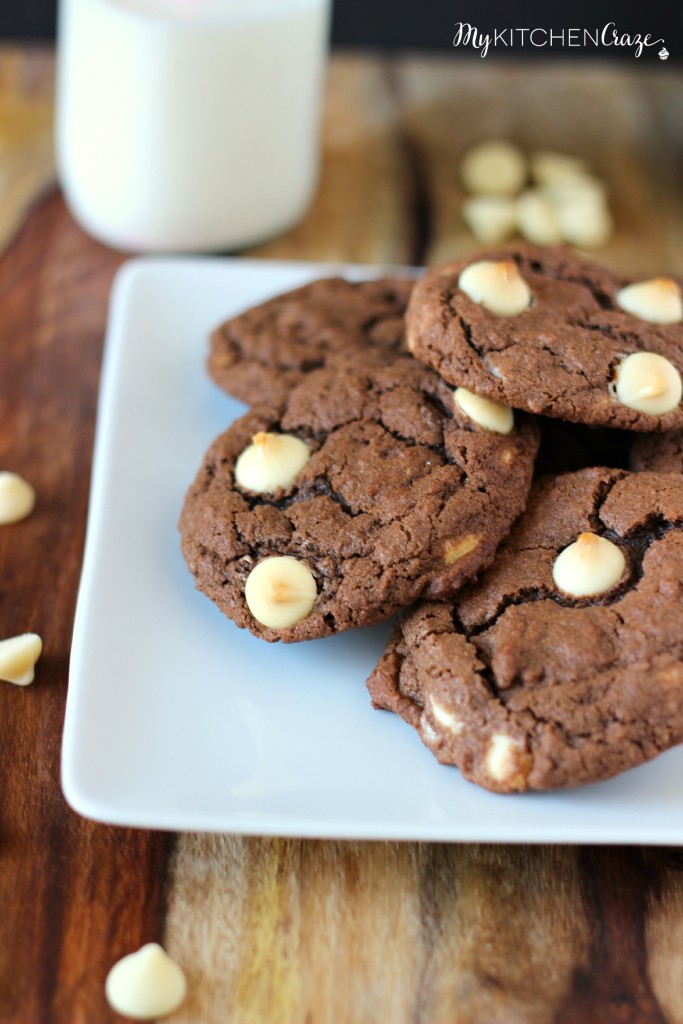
x=189 y=125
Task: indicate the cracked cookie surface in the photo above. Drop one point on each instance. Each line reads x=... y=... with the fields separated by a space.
x=524 y=687
x=403 y=497
x=260 y=355
x=558 y=357
x=661 y=453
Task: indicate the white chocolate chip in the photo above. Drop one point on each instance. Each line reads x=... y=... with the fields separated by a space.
x=146 y=985
x=649 y=383
x=447 y=718
x=271 y=461
x=17 y=498
x=591 y=565
x=491 y=219
x=537 y=219
x=507 y=761
x=570 y=190
x=18 y=657
x=581 y=211
x=495 y=168
x=547 y=167
x=455 y=549
x=497 y=285
x=585 y=226
x=429 y=734
x=485 y=412
x=280 y=592
x=657 y=301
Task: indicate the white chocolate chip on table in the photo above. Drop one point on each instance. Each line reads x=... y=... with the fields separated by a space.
x=17 y=498
x=491 y=219
x=493 y=168
x=658 y=301
x=582 y=214
x=548 y=168
x=271 y=461
x=569 y=191
x=567 y=203
x=18 y=657
x=571 y=209
x=537 y=219
x=649 y=383
x=485 y=412
x=497 y=285
x=146 y=985
x=280 y=591
x=591 y=565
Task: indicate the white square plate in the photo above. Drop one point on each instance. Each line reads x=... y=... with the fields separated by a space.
x=178 y=720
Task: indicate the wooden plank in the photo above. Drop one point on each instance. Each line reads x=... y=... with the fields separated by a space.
x=74 y=895
x=352 y=932
x=26 y=150
x=365 y=932
x=664 y=935
x=624 y=124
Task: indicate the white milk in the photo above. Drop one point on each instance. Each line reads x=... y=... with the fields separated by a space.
x=189 y=125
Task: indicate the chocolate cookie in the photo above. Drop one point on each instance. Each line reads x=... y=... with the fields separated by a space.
x=661 y=453
x=564 y=664
x=368 y=491
x=547 y=331
x=262 y=354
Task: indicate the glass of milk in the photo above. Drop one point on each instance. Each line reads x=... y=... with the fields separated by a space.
x=189 y=125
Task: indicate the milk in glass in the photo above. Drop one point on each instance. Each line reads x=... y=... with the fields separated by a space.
x=189 y=125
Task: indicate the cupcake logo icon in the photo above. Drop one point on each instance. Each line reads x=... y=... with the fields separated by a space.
x=663 y=53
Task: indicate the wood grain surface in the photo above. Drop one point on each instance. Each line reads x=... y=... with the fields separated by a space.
x=274 y=930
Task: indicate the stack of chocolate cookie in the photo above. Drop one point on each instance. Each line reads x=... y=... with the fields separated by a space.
x=386 y=465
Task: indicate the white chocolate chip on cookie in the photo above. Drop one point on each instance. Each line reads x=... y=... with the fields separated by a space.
x=271 y=461
x=658 y=301
x=17 y=498
x=508 y=762
x=280 y=592
x=591 y=565
x=454 y=550
x=446 y=718
x=429 y=734
x=18 y=657
x=497 y=285
x=495 y=168
x=648 y=383
x=485 y=412
x=491 y=219
x=146 y=985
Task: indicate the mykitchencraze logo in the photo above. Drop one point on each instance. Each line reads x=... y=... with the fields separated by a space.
x=540 y=38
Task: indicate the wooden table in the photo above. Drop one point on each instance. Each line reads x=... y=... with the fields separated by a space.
x=282 y=930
